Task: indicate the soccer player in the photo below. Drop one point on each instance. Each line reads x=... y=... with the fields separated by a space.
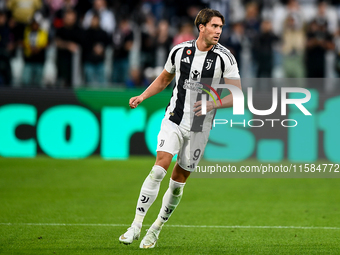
x=184 y=129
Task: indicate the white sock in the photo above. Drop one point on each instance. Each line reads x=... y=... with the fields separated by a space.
x=171 y=199
x=148 y=193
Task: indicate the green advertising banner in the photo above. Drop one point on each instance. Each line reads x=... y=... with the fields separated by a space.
x=82 y=122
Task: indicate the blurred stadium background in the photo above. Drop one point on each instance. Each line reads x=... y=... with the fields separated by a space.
x=98 y=43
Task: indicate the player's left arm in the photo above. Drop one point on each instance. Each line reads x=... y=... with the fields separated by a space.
x=158 y=85
x=227 y=101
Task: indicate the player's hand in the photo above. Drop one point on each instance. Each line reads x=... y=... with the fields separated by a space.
x=135 y=101
x=198 y=107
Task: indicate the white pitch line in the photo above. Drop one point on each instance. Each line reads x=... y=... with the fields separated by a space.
x=174 y=226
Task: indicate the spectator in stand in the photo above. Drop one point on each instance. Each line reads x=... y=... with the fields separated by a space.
x=263 y=48
x=294 y=10
x=252 y=21
x=185 y=33
x=107 y=18
x=235 y=41
x=337 y=52
x=164 y=42
x=156 y=7
x=59 y=7
x=294 y=41
x=6 y=46
x=22 y=13
x=327 y=13
x=82 y=7
x=336 y=4
x=3 y=5
x=252 y=24
x=192 y=11
x=148 y=42
x=56 y=5
x=122 y=43
x=94 y=47
x=319 y=40
x=68 y=40
x=223 y=6
x=278 y=13
x=34 y=45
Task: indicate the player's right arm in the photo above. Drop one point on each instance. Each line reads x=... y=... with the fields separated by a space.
x=158 y=85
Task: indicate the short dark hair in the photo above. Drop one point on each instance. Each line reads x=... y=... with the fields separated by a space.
x=205 y=15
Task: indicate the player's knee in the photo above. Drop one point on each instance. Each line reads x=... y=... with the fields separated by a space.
x=157 y=173
x=163 y=159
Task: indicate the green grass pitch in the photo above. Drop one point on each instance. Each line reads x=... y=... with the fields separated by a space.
x=95 y=200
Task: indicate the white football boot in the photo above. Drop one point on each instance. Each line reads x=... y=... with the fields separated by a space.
x=132 y=233
x=150 y=239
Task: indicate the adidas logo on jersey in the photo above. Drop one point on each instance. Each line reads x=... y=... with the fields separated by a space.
x=186 y=60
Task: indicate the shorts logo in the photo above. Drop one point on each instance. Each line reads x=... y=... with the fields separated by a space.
x=172 y=114
x=189 y=52
x=209 y=63
x=144 y=199
x=162 y=143
x=195 y=75
x=191 y=166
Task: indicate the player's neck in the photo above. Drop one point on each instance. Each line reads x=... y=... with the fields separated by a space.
x=202 y=45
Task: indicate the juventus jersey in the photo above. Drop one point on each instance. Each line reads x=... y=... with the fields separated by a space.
x=196 y=73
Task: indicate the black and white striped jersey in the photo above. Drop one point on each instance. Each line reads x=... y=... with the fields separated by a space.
x=196 y=71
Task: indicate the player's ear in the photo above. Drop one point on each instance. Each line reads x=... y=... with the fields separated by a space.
x=201 y=27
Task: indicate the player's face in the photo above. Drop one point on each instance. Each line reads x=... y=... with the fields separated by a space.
x=212 y=31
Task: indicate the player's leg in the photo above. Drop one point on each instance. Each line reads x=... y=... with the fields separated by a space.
x=188 y=157
x=168 y=144
x=172 y=196
x=151 y=185
x=171 y=199
x=147 y=196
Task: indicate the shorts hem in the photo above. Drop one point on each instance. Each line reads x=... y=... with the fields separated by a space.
x=186 y=168
x=173 y=154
